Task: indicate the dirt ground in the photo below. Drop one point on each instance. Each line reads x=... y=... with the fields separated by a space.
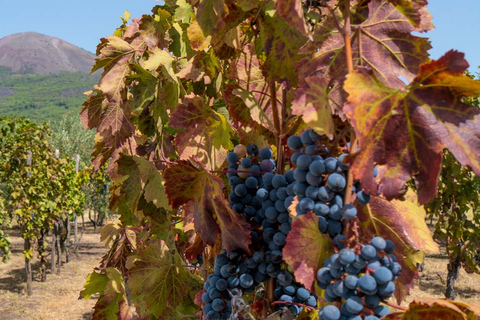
x=58 y=297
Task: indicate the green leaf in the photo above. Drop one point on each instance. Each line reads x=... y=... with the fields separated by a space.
x=158 y=281
x=96 y=282
x=188 y=184
x=306 y=248
x=406 y=130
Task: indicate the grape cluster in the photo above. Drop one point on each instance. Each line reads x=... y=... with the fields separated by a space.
x=233 y=273
x=288 y=290
x=359 y=281
x=263 y=198
x=245 y=177
x=320 y=182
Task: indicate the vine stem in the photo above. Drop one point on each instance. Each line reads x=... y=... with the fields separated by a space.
x=349 y=59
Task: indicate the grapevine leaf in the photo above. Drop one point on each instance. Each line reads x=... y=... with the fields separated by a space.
x=139 y=177
x=111 y=308
x=403 y=222
x=382 y=40
x=292 y=12
x=203 y=128
x=416 y=12
x=158 y=281
x=189 y=184
x=432 y=309
x=96 y=282
x=281 y=44
x=253 y=90
x=306 y=248
x=311 y=102
x=109 y=233
x=435 y=118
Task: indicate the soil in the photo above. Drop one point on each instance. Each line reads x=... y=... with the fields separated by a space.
x=57 y=298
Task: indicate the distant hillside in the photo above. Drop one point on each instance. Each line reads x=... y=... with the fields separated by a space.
x=43 y=97
x=35 y=53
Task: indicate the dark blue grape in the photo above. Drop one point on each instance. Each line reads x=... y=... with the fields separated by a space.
x=321 y=209
x=390 y=247
x=351 y=282
x=305 y=138
x=279 y=238
x=279 y=181
x=252 y=149
x=382 y=311
x=379 y=243
x=246 y=281
x=294 y=142
x=330 y=164
x=265 y=153
x=367 y=284
x=346 y=256
x=267 y=165
x=217 y=305
x=354 y=304
x=317 y=167
x=329 y=312
x=313 y=180
x=300 y=175
x=363 y=198
x=232 y=157
x=302 y=294
x=383 y=275
x=368 y=252
x=349 y=212
x=336 y=182
x=303 y=161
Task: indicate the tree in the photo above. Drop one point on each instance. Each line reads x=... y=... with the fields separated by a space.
x=181 y=86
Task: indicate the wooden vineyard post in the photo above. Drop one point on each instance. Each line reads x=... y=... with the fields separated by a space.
x=77 y=163
x=27 y=244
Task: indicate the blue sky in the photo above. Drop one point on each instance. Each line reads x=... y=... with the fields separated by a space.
x=84 y=22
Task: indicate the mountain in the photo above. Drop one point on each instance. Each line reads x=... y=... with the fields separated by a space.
x=35 y=53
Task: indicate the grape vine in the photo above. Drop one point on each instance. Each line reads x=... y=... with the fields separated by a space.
x=250 y=140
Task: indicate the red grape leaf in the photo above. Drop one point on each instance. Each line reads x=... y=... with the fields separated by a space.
x=434 y=309
x=252 y=88
x=306 y=248
x=204 y=129
x=406 y=130
x=382 y=40
x=201 y=193
x=416 y=12
x=402 y=222
x=292 y=12
x=158 y=282
x=281 y=44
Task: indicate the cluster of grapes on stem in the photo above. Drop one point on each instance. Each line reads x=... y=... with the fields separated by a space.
x=264 y=197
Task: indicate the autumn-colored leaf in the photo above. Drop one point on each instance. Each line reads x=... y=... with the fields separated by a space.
x=402 y=222
x=311 y=102
x=417 y=13
x=434 y=309
x=158 y=281
x=406 y=130
x=306 y=248
x=201 y=194
x=281 y=44
x=374 y=44
x=203 y=129
x=292 y=12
